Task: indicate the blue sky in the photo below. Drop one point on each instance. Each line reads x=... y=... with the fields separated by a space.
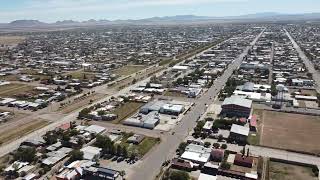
x=53 y=10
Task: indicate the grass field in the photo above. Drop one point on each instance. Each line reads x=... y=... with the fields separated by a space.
x=129 y=69
x=12 y=89
x=11 y=40
x=12 y=134
x=142 y=148
x=281 y=171
x=126 y=111
x=291 y=131
x=81 y=75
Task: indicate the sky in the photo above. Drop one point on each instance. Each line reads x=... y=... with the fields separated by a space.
x=79 y=10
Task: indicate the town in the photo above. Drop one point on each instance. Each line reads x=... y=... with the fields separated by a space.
x=201 y=101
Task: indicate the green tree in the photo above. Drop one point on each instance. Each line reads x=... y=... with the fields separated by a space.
x=182 y=147
x=25 y=154
x=124 y=152
x=179 y=175
x=76 y=155
x=50 y=137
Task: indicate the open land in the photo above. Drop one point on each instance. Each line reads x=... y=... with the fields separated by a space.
x=291 y=131
x=281 y=171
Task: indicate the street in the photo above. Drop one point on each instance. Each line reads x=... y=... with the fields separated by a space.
x=151 y=164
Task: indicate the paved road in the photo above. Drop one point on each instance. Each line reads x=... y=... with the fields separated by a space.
x=307 y=62
x=166 y=149
x=285 y=155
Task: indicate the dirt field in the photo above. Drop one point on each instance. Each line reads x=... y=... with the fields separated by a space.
x=291 y=131
x=12 y=89
x=11 y=40
x=11 y=134
x=281 y=171
x=127 y=70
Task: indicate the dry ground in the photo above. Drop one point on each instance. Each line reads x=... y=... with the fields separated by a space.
x=291 y=131
x=129 y=69
x=11 y=40
x=12 y=89
x=281 y=171
x=22 y=130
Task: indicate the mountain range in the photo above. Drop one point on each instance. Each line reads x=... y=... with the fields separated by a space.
x=183 y=19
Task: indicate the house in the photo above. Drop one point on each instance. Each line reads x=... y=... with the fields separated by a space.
x=236 y=106
x=207 y=127
x=91 y=152
x=209 y=172
x=95 y=129
x=253 y=123
x=239 y=133
x=182 y=164
x=56 y=156
x=245 y=161
x=100 y=173
x=74 y=170
x=217 y=155
x=172 y=109
x=197 y=154
x=135 y=139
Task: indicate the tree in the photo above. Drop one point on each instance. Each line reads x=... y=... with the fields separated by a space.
x=182 y=147
x=101 y=113
x=118 y=150
x=220 y=137
x=216 y=145
x=25 y=154
x=50 y=137
x=76 y=155
x=224 y=146
x=179 y=175
x=225 y=165
x=274 y=91
x=207 y=144
x=124 y=152
x=122 y=174
x=84 y=112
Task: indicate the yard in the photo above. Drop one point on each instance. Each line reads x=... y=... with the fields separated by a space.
x=81 y=75
x=141 y=148
x=12 y=134
x=174 y=94
x=12 y=89
x=126 y=110
x=129 y=69
x=290 y=131
x=281 y=171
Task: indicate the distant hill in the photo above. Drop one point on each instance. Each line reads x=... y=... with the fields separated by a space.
x=22 y=23
x=183 y=19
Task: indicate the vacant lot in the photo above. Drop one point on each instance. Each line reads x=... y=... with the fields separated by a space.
x=291 y=131
x=129 y=69
x=281 y=171
x=141 y=148
x=12 y=134
x=126 y=110
x=13 y=89
x=11 y=40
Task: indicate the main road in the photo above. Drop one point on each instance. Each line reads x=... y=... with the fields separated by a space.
x=307 y=62
x=151 y=164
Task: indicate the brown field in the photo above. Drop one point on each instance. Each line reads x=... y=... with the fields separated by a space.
x=129 y=69
x=281 y=171
x=12 y=89
x=291 y=131
x=17 y=132
x=11 y=40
